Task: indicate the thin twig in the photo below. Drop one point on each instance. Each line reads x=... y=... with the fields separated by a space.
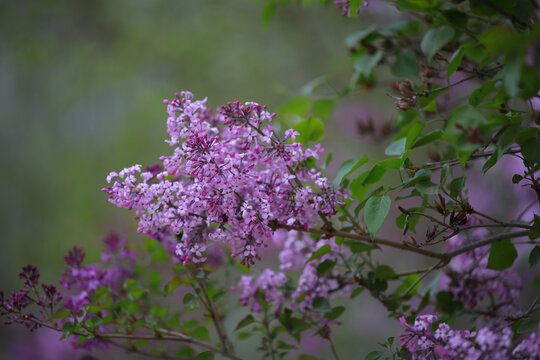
x=487 y=241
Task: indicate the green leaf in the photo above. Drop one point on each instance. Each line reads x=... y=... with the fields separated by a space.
x=348 y=167
x=406 y=284
x=67 y=329
x=397 y=148
x=535 y=234
x=323 y=250
x=353 y=7
x=325 y=267
x=527 y=326
x=285 y=346
x=535 y=286
x=428 y=138
x=523 y=10
x=201 y=333
x=268 y=13
x=321 y=305
x=335 y=313
x=134 y=289
x=385 y=272
x=375 y=212
x=61 y=314
x=190 y=300
x=502 y=255
x=417 y=5
x=480 y=94
x=427 y=187
x=323 y=108
x=405 y=64
x=355 y=38
x=531 y=150
x=375 y=174
x=172 y=285
x=435 y=39
x=511 y=72
x=483 y=8
x=298 y=106
x=358 y=246
x=374 y=355
x=455 y=61
x=313 y=85
x=365 y=63
x=456 y=186
x=306 y=357
x=457 y=19
x=207 y=355
x=244 y=335
x=248 y=319
x=445 y=303
x=534 y=256
x=391 y=163
x=310 y=129
x=415 y=130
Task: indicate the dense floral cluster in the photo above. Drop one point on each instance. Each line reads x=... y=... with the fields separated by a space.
x=230 y=179
x=474 y=285
x=426 y=343
x=296 y=249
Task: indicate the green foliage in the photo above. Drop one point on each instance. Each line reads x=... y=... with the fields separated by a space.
x=502 y=255
x=375 y=212
x=310 y=129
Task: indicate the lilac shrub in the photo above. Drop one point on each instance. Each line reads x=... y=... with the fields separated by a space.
x=236 y=192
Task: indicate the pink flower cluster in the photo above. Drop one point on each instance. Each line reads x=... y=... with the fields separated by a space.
x=296 y=249
x=229 y=179
x=473 y=284
x=446 y=343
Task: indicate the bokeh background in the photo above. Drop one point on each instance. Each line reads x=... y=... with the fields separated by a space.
x=81 y=90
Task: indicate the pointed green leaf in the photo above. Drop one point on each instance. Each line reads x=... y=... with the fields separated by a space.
x=375 y=211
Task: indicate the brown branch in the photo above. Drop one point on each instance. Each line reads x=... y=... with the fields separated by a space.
x=170 y=336
x=215 y=318
x=366 y=238
x=487 y=241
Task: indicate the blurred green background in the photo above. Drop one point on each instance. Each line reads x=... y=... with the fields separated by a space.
x=81 y=87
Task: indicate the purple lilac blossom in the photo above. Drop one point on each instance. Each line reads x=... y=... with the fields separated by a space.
x=296 y=249
x=81 y=281
x=473 y=284
x=229 y=180
x=449 y=344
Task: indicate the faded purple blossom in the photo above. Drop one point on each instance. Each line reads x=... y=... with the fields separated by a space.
x=472 y=283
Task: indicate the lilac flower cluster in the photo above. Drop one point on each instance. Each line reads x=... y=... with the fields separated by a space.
x=45 y=297
x=230 y=179
x=296 y=249
x=473 y=284
x=427 y=343
x=82 y=281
